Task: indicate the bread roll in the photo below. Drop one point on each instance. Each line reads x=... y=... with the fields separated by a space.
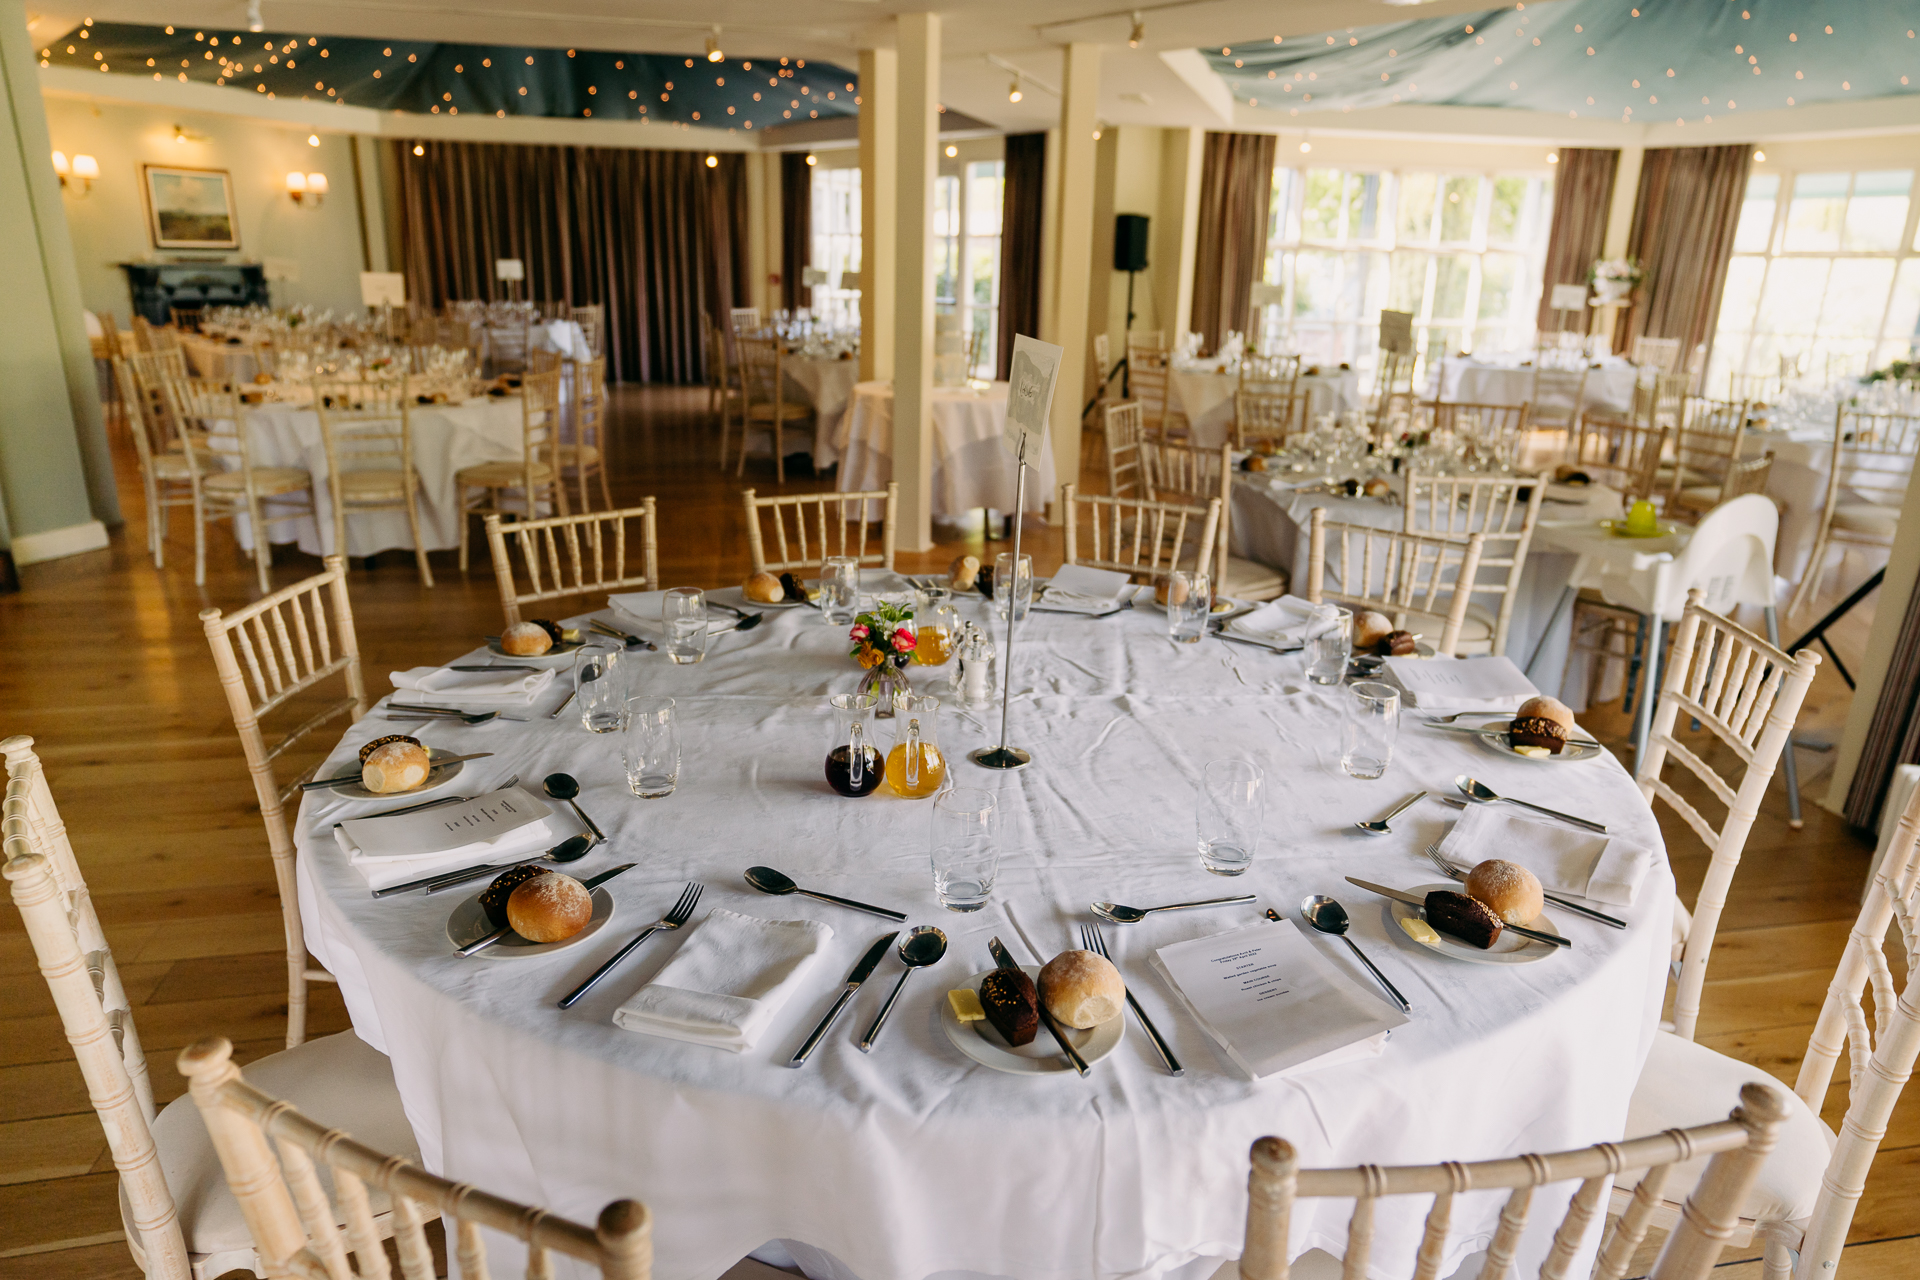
x=550 y=907
x=525 y=640
x=1508 y=889
x=1369 y=629
x=764 y=588
x=1082 y=989
x=393 y=764
x=963 y=573
x=1166 y=591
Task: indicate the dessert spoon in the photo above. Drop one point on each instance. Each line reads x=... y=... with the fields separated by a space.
x=1117 y=914
x=767 y=880
x=924 y=946
x=1379 y=827
x=1487 y=795
x=1328 y=916
x=561 y=786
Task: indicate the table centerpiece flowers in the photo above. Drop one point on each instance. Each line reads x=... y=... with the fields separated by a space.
x=883 y=644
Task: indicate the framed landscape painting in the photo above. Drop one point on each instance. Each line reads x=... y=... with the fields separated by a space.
x=190 y=208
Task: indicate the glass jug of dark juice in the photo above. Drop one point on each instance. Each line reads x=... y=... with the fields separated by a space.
x=854 y=764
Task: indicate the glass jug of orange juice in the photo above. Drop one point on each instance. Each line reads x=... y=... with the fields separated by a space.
x=915 y=765
x=936 y=626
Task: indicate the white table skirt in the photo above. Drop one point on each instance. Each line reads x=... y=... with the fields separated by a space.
x=827 y=385
x=1206 y=398
x=913 y=1161
x=446 y=438
x=971 y=465
x=216 y=358
x=1464 y=380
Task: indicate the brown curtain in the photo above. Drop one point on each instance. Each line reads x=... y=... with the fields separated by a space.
x=1893 y=735
x=1582 y=194
x=1020 y=217
x=656 y=237
x=1236 y=187
x=796 y=229
x=1684 y=217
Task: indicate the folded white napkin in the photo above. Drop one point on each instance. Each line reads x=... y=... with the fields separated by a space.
x=500 y=827
x=1085 y=590
x=1483 y=684
x=727 y=982
x=1286 y=621
x=1584 y=864
x=440 y=687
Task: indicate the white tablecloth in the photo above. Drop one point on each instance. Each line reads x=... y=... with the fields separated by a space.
x=827 y=385
x=1206 y=398
x=564 y=336
x=446 y=438
x=1464 y=380
x=971 y=465
x=913 y=1160
x=209 y=357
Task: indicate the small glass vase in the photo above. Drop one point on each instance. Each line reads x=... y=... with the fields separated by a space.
x=888 y=684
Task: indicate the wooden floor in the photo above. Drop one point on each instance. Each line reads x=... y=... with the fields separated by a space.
x=113 y=679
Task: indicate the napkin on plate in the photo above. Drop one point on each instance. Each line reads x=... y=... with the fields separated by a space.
x=441 y=687
x=1582 y=863
x=1081 y=589
x=502 y=826
x=1485 y=684
x=1287 y=621
x=727 y=981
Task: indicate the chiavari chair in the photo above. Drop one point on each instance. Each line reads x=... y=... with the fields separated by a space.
x=1707 y=442
x=367 y=429
x=823 y=524
x=1149 y=368
x=213 y=429
x=1267 y=418
x=1270 y=373
x=1752 y=388
x=508 y=342
x=1392 y=385
x=765 y=407
x=1504 y=509
x=593 y=326
x=1377 y=571
x=723 y=387
x=744 y=320
x=1138 y=535
x=1748 y=475
x=482 y=489
x=1557 y=396
x=1738 y=1145
x=142 y=334
x=1125 y=428
x=573 y=555
x=1189 y=475
x=541 y=360
x=1657 y=355
x=1867 y=477
x=584 y=455
x=167 y=477
x=151 y=371
x=180 y=1221
x=1619 y=453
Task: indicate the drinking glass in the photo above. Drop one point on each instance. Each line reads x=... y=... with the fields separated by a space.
x=1012 y=588
x=599 y=685
x=965 y=847
x=1373 y=722
x=651 y=747
x=1329 y=648
x=840 y=590
x=1232 y=802
x=1189 y=604
x=683 y=616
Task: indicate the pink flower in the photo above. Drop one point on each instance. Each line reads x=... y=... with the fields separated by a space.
x=904 y=641
x=859 y=632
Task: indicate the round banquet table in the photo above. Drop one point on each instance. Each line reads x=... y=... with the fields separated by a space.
x=1205 y=396
x=826 y=383
x=914 y=1160
x=1464 y=380
x=971 y=464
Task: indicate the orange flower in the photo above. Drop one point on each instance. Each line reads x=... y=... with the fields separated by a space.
x=871 y=658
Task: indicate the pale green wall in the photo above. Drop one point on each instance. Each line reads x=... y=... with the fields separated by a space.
x=109 y=226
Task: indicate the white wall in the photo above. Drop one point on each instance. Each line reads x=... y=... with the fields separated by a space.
x=109 y=225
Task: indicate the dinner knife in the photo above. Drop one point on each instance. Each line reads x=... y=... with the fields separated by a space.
x=481 y=944
x=861 y=972
x=321 y=784
x=633 y=641
x=1498 y=726
x=1005 y=960
x=1220 y=633
x=493 y=668
x=1412 y=900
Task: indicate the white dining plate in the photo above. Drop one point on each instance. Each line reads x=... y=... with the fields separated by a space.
x=469 y=923
x=1509 y=948
x=438 y=776
x=737 y=597
x=1502 y=744
x=561 y=655
x=986 y=1046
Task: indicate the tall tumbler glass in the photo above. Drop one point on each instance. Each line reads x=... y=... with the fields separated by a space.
x=965 y=847
x=1228 y=815
x=1329 y=647
x=683 y=616
x=651 y=747
x=1011 y=588
x=1189 y=604
x=840 y=590
x=600 y=685
x=1373 y=722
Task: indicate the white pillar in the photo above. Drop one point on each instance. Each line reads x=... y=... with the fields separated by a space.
x=1176 y=240
x=763 y=221
x=916 y=166
x=1626 y=190
x=879 y=264
x=1079 y=102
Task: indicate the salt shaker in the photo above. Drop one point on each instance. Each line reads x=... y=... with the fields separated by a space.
x=976 y=668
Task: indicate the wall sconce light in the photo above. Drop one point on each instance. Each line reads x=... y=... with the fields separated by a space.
x=78 y=175
x=307 y=189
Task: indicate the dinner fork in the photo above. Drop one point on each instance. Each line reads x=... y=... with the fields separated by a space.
x=1453 y=872
x=682 y=909
x=1092 y=940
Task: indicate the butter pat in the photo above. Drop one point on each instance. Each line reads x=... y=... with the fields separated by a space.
x=966 y=1004
x=1532 y=752
x=1420 y=931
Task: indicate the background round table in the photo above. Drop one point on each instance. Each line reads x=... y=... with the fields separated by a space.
x=972 y=466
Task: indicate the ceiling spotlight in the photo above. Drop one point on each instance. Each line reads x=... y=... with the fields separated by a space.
x=952 y=151
x=1305 y=147
x=1760 y=156
x=812 y=159
x=419 y=150
x=313 y=139
x=713 y=162
x=1553 y=157
x=1139 y=31
x=254 y=21
x=1013 y=90
x=713 y=47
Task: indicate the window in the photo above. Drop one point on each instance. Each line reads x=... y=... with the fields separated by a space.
x=1825 y=277
x=966 y=254
x=836 y=244
x=1462 y=251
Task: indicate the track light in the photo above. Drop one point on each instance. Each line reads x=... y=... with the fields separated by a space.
x=1013 y=90
x=254 y=21
x=713 y=47
x=1139 y=31
x=812 y=159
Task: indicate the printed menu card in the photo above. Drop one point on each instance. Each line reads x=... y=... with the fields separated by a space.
x=470 y=827
x=1273 y=1002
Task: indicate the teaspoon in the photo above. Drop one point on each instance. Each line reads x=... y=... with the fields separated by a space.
x=572 y=849
x=1117 y=914
x=1487 y=795
x=767 y=880
x=924 y=946
x=1328 y=916
x=562 y=786
x=1379 y=827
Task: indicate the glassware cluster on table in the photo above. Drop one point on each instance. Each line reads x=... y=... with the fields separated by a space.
x=1344 y=447
x=820 y=335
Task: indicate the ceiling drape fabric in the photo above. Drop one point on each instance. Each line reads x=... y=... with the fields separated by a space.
x=1893 y=735
x=1021 y=205
x=1684 y=217
x=1582 y=195
x=796 y=229
x=1236 y=188
x=657 y=237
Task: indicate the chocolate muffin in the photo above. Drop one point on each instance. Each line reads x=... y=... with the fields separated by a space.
x=1012 y=1005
